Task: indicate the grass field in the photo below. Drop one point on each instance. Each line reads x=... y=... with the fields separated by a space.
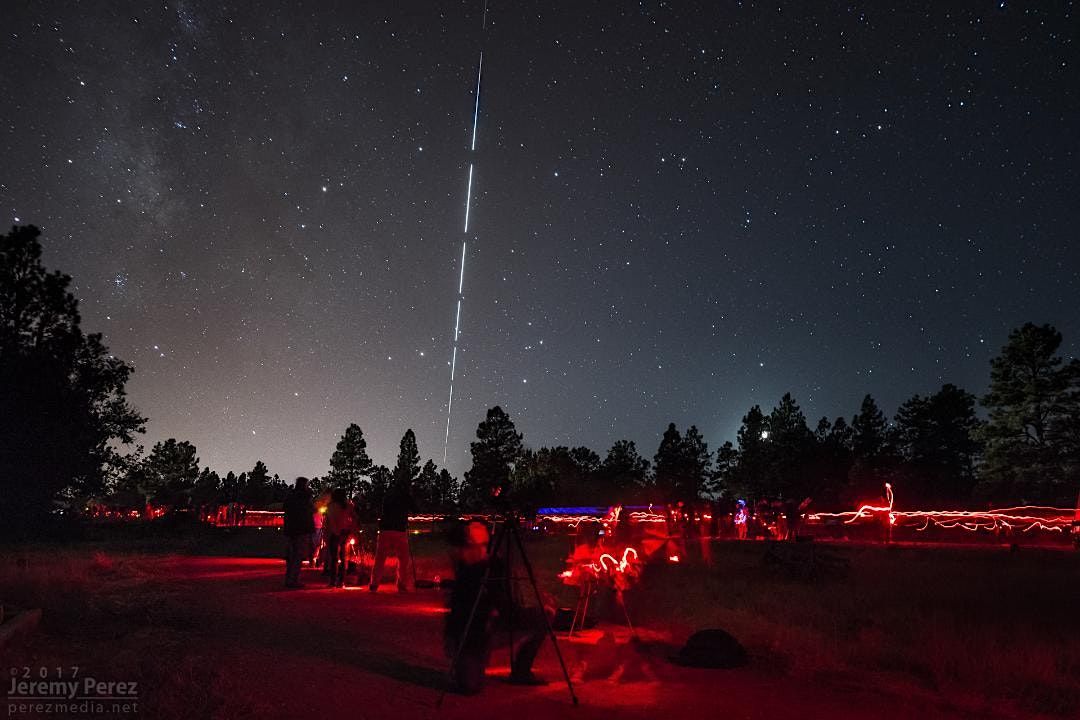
x=965 y=627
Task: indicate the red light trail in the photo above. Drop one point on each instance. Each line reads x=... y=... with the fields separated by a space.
x=1025 y=518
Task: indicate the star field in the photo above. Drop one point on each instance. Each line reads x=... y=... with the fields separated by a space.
x=679 y=209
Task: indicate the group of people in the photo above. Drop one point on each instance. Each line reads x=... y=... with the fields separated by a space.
x=329 y=534
x=483 y=603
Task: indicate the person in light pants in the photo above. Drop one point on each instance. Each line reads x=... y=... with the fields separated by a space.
x=393 y=540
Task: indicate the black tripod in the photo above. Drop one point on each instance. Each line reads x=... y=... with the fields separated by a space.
x=500 y=547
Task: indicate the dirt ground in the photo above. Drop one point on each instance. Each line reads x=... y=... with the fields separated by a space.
x=221 y=638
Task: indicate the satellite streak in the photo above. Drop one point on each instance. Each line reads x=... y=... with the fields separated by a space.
x=464 y=243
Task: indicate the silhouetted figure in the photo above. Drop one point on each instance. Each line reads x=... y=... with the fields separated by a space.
x=794 y=512
x=496 y=612
x=338 y=526
x=299 y=528
x=393 y=538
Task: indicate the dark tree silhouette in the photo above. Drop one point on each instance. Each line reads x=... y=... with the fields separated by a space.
x=841 y=436
x=873 y=459
x=830 y=463
x=207 y=490
x=230 y=488
x=258 y=490
x=683 y=465
x=170 y=472
x=936 y=436
x=869 y=431
x=425 y=488
x=750 y=475
x=539 y=476
x=494 y=452
x=350 y=466
x=580 y=484
x=445 y=495
x=407 y=469
x=1034 y=399
x=63 y=409
x=787 y=449
x=670 y=464
x=557 y=475
x=724 y=469
x=371 y=500
x=697 y=461
x=624 y=473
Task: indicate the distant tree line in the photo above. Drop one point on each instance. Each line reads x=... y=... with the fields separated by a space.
x=170 y=476
x=64 y=419
x=936 y=448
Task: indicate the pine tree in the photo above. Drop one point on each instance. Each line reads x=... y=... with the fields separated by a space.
x=371 y=501
x=1032 y=402
x=230 y=488
x=425 y=489
x=207 y=489
x=350 y=466
x=670 y=464
x=869 y=431
x=873 y=461
x=830 y=465
x=407 y=469
x=171 y=470
x=494 y=452
x=581 y=482
x=541 y=476
x=446 y=491
x=937 y=439
x=697 y=463
x=840 y=436
x=725 y=467
x=624 y=473
x=823 y=430
x=749 y=477
x=258 y=491
x=787 y=449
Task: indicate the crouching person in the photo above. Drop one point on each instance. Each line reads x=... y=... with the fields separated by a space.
x=481 y=606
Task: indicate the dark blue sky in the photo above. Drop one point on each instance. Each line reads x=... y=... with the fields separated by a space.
x=679 y=209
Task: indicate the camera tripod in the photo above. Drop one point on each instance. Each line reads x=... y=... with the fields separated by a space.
x=500 y=547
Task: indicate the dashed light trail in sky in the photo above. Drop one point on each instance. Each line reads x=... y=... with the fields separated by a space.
x=464 y=243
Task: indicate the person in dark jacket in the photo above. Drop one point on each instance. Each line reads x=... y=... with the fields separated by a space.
x=393 y=538
x=299 y=527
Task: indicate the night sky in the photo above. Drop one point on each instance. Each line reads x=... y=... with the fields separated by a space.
x=679 y=209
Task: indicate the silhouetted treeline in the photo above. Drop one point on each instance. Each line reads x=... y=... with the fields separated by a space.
x=64 y=419
x=936 y=449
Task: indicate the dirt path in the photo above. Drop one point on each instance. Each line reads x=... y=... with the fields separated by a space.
x=212 y=637
x=272 y=653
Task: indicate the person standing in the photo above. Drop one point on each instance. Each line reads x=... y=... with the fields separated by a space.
x=393 y=540
x=339 y=524
x=742 y=521
x=299 y=527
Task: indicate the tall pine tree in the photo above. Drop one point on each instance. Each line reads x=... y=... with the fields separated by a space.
x=1033 y=396
x=350 y=466
x=936 y=437
x=496 y=448
x=407 y=469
